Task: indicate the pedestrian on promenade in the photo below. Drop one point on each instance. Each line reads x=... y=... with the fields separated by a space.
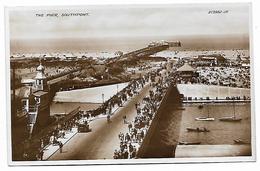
x=124 y=119
x=60 y=146
x=130 y=147
x=125 y=154
x=52 y=139
x=42 y=144
x=127 y=137
x=108 y=118
x=129 y=126
x=41 y=154
x=133 y=153
x=121 y=136
x=116 y=154
x=136 y=106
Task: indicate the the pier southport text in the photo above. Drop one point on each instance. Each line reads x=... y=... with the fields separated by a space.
x=77 y=14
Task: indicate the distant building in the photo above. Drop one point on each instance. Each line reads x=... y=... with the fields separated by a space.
x=209 y=60
x=165 y=43
x=174 y=44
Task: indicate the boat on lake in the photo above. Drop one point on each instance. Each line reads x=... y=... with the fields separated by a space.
x=231 y=118
x=200 y=106
x=197 y=129
x=239 y=141
x=205 y=118
x=189 y=143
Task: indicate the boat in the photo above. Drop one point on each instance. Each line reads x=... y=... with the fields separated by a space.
x=197 y=129
x=239 y=141
x=231 y=118
x=200 y=106
x=189 y=143
x=203 y=118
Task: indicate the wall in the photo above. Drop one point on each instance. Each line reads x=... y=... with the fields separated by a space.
x=162 y=137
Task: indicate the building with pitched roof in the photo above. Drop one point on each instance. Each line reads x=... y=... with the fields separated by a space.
x=186 y=70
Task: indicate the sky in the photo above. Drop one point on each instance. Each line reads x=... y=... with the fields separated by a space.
x=132 y=21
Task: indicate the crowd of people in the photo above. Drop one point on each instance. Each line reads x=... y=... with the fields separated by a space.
x=231 y=76
x=130 y=141
x=34 y=148
x=225 y=76
x=118 y=99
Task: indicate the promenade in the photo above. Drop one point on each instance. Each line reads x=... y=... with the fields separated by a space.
x=103 y=139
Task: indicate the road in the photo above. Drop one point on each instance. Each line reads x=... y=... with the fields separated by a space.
x=101 y=142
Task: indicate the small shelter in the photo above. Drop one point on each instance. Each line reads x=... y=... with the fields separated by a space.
x=186 y=70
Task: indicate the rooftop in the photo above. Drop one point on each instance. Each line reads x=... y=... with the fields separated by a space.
x=186 y=67
x=40 y=93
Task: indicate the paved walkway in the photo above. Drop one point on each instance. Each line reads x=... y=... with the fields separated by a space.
x=103 y=139
x=52 y=149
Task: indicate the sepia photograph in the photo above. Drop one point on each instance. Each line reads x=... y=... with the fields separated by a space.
x=126 y=84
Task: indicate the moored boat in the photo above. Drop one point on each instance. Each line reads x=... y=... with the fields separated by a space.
x=189 y=143
x=200 y=106
x=239 y=141
x=204 y=119
x=197 y=129
x=230 y=119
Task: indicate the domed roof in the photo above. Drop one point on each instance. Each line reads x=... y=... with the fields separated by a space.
x=40 y=76
x=40 y=68
x=40 y=72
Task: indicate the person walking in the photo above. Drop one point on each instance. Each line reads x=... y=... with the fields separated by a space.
x=108 y=118
x=41 y=154
x=124 y=119
x=125 y=154
x=136 y=106
x=60 y=146
x=130 y=126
